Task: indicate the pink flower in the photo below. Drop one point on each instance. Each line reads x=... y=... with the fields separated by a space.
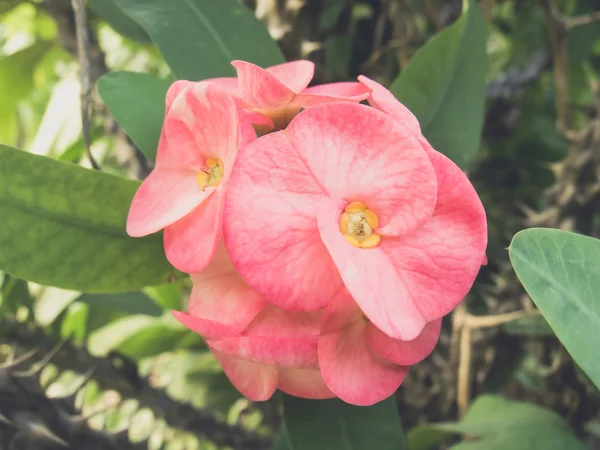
x=273 y=96
x=361 y=364
x=347 y=197
x=260 y=347
x=320 y=354
x=184 y=194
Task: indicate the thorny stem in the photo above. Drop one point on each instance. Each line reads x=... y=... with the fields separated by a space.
x=84 y=70
x=557 y=31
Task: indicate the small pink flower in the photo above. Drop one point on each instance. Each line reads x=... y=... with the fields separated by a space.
x=273 y=96
x=349 y=197
x=184 y=194
x=260 y=347
x=361 y=364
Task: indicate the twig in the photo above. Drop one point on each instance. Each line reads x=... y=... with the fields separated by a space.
x=466 y=323
x=558 y=43
x=585 y=19
x=84 y=70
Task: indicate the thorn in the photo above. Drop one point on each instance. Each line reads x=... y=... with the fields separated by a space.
x=30 y=423
x=11 y=362
x=5 y=420
x=42 y=363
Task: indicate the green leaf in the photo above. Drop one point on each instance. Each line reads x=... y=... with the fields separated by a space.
x=444 y=86
x=16 y=71
x=116 y=18
x=425 y=437
x=335 y=425
x=64 y=226
x=502 y=424
x=200 y=38
x=137 y=101
x=51 y=302
x=128 y=302
x=561 y=272
x=139 y=336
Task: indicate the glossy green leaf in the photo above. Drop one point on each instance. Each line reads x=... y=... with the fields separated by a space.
x=200 y=38
x=444 y=86
x=137 y=101
x=335 y=425
x=64 y=226
x=561 y=272
x=493 y=423
x=116 y=18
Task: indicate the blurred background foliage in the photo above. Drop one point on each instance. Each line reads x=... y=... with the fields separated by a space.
x=128 y=369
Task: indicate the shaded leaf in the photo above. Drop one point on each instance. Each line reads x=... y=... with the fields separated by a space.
x=137 y=101
x=128 y=302
x=335 y=425
x=561 y=272
x=64 y=226
x=116 y=18
x=502 y=424
x=200 y=38
x=444 y=86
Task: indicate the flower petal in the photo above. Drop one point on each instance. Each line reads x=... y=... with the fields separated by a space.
x=219 y=294
x=165 y=196
x=404 y=353
x=371 y=279
x=230 y=84
x=255 y=381
x=276 y=322
x=191 y=242
x=296 y=75
x=351 y=370
x=272 y=351
x=385 y=101
x=208 y=329
x=259 y=88
x=270 y=229
x=360 y=154
x=202 y=123
x=304 y=383
x=173 y=92
x=278 y=338
x=332 y=92
x=439 y=262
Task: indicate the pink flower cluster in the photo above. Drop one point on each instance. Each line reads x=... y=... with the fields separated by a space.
x=325 y=252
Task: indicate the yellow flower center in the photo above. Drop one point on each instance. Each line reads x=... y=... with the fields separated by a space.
x=212 y=175
x=358 y=224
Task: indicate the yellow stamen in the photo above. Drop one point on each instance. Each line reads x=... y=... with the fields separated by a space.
x=355 y=207
x=371 y=241
x=355 y=242
x=212 y=175
x=372 y=218
x=344 y=223
x=358 y=225
x=202 y=178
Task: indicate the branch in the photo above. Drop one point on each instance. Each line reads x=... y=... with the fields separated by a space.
x=83 y=50
x=585 y=19
x=558 y=43
x=115 y=372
